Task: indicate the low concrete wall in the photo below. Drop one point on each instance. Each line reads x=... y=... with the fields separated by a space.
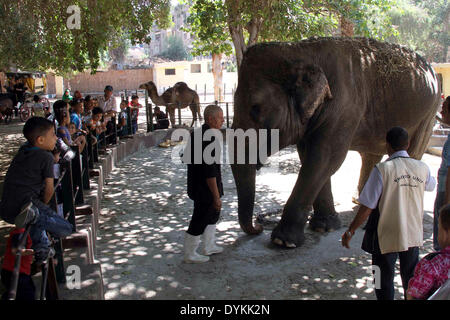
x=92 y=284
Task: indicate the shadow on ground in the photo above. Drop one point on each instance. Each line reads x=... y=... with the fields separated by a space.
x=144 y=216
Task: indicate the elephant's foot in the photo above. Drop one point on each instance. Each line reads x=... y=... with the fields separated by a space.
x=288 y=236
x=325 y=223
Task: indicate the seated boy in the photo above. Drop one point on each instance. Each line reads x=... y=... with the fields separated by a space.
x=433 y=270
x=76 y=115
x=122 y=125
x=25 y=286
x=78 y=137
x=28 y=188
x=135 y=106
x=95 y=124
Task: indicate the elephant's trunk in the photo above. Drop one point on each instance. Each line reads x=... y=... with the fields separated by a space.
x=244 y=176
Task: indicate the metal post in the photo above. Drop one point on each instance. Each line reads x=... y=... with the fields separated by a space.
x=68 y=195
x=228 y=116
x=115 y=129
x=90 y=150
x=77 y=178
x=15 y=275
x=129 y=129
x=179 y=113
x=44 y=279
x=149 y=113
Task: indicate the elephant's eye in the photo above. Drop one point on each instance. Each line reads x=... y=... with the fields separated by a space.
x=255 y=112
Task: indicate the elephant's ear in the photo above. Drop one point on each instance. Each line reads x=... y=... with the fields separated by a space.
x=309 y=88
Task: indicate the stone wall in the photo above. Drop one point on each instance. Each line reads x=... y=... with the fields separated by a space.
x=119 y=79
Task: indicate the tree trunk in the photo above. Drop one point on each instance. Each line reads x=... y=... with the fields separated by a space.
x=446 y=49
x=347 y=28
x=239 y=44
x=218 y=76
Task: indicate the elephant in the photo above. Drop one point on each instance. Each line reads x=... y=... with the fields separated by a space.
x=178 y=95
x=328 y=96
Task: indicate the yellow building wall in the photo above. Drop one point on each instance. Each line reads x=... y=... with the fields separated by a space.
x=163 y=81
x=200 y=82
x=444 y=70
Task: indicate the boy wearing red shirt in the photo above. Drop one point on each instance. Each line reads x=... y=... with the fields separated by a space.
x=25 y=287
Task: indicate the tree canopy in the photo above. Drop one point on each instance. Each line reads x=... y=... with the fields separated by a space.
x=216 y=23
x=38 y=35
x=423 y=26
x=175 y=49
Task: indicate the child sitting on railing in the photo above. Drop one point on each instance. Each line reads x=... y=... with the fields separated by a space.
x=94 y=124
x=25 y=286
x=29 y=186
x=135 y=106
x=122 y=125
x=63 y=131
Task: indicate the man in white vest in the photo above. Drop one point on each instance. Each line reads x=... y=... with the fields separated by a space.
x=393 y=198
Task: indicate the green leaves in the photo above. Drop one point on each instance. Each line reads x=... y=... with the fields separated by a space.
x=423 y=26
x=37 y=32
x=175 y=49
x=212 y=21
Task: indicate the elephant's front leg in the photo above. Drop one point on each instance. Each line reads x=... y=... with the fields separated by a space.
x=318 y=164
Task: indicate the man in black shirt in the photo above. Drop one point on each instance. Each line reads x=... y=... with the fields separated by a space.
x=205 y=188
x=29 y=187
x=161 y=119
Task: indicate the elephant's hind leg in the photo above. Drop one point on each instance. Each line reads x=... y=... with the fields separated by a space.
x=368 y=162
x=325 y=218
x=419 y=140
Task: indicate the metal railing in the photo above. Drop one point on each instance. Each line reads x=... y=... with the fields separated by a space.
x=73 y=179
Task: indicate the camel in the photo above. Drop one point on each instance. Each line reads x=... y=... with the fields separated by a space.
x=180 y=94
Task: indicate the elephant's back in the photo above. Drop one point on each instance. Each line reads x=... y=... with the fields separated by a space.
x=386 y=83
x=386 y=58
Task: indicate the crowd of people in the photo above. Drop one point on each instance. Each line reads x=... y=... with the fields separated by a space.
x=391 y=200
x=29 y=182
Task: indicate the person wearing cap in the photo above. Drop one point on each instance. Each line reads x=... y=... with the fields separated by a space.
x=108 y=104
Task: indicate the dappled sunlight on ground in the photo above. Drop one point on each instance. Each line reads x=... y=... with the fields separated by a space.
x=146 y=212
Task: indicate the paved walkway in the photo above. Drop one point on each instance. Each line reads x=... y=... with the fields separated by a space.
x=146 y=211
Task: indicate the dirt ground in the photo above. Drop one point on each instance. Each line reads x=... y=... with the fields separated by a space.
x=146 y=212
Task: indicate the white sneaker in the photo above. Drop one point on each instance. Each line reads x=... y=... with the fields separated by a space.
x=209 y=241
x=190 y=250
